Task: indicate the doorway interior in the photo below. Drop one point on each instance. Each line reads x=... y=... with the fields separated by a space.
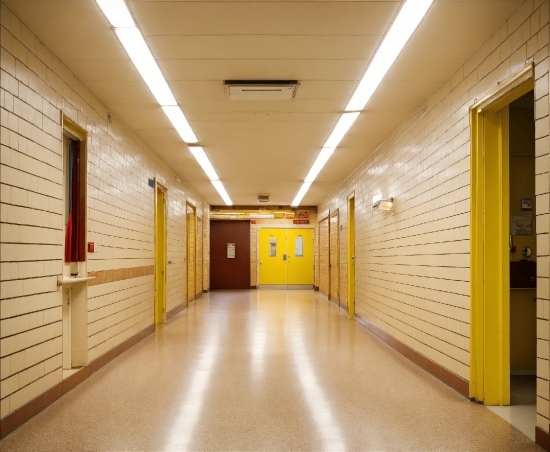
x=74 y=297
x=503 y=253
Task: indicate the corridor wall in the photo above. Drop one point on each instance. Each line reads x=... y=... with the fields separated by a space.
x=35 y=90
x=413 y=265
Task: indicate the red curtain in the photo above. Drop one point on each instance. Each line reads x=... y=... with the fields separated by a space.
x=74 y=234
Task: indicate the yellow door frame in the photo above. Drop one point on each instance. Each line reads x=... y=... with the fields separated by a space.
x=160 y=253
x=191 y=239
x=489 y=253
x=334 y=266
x=327 y=269
x=351 y=256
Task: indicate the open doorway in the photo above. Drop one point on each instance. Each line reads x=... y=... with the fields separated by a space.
x=503 y=253
x=523 y=251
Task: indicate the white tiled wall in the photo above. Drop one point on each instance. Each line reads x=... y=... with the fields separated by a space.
x=35 y=87
x=413 y=266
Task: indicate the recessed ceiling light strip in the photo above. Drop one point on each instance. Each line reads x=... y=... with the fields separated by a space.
x=200 y=155
x=407 y=21
x=132 y=40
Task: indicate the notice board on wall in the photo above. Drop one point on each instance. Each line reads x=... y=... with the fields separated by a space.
x=521 y=225
x=231 y=251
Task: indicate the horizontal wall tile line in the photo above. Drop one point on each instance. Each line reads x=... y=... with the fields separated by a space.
x=42 y=162
x=145 y=295
x=119 y=333
x=32 y=208
x=424 y=322
x=144 y=310
x=423 y=234
x=32 y=346
x=119 y=291
x=33 y=365
x=419 y=287
x=30 y=383
x=377 y=313
x=380 y=271
x=30 y=329
x=425 y=310
x=29 y=295
x=95 y=208
x=28 y=190
x=149 y=224
x=38 y=175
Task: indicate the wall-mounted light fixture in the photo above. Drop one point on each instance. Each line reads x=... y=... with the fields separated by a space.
x=382 y=204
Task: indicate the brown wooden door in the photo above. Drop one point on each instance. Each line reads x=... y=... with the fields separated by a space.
x=228 y=272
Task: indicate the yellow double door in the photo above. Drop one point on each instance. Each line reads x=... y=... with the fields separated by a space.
x=286 y=257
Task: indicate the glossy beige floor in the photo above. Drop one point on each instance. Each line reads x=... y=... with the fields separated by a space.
x=264 y=370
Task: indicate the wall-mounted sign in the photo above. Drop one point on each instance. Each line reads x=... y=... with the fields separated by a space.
x=252 y=221
x=522 y=225
x=231 y=251
x=300 y=221
x=303 y=213
x=526 y=204
x=289 y=215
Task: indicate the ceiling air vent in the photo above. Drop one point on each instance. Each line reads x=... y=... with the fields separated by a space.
x=260 y=89
x=263 y=198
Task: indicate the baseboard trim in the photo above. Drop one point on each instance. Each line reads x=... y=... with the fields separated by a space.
x=542 y=438
x=204 y=290
x=316 y=288
x=253 y=287
x=450 y=379
x=14 y=420
x=172 y=312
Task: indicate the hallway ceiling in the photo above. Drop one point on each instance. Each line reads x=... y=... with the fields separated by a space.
x=263 y=146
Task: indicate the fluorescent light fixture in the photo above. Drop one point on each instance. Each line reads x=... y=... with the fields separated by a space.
x=178 y=120
x=221 y=190
x=406 y=22
x=408 y=19
x=117 y=13
x=322 y=158
x=146 y=65
x=204 y=162
x=137 y=49
x=341 y=128
x=301 y=193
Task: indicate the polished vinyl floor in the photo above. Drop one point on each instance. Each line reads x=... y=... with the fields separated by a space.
x=264 y=370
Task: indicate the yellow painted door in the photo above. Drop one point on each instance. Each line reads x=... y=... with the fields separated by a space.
x=273 y=256
x=324 y=270
x=160 y=258
x=334 y=258
x=351 y=257
x=300 y=245
x=191 y=252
